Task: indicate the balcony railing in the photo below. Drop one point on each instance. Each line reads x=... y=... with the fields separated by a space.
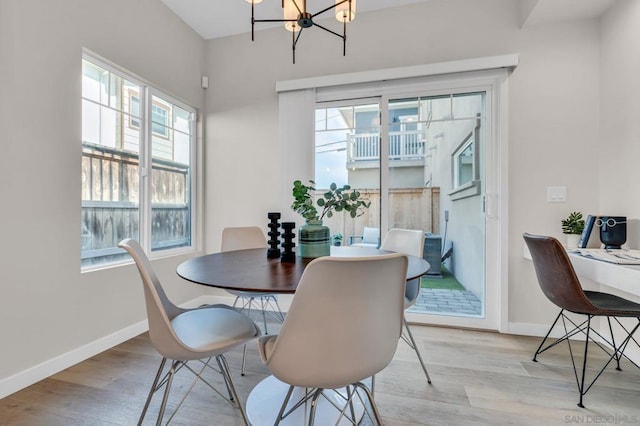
x=403 y=146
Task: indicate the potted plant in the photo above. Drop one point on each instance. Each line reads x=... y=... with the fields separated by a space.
x=314 y=238
x=572 y=227
x=337 y=239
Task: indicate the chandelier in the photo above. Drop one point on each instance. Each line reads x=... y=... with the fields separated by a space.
x=296 y=18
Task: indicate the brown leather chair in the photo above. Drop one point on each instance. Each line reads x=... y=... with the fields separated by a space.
x=560 y=284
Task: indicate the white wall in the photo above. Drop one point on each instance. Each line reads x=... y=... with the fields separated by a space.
x=553 y=114
x=47 y=307
x=619 y=125
x=619 y=152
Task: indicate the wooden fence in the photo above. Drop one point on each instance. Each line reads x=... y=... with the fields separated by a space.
x=412 y=208
x=110 y=203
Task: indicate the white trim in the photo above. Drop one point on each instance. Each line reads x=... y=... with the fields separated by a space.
x=61 y=362
x=465 y=65
x=47 y=368
x=536 y=330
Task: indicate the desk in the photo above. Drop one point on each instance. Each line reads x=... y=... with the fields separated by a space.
x=620 y=277
x=251 y=270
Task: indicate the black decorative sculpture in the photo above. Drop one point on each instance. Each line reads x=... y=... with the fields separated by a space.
x=273 y=251
x=289 y=254
x=613 y=231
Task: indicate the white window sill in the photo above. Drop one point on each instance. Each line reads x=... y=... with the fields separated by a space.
x=469 y=189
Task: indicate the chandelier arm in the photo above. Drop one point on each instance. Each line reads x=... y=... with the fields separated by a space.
x=294 y=40
x=275 y=20
x=329 y=8
x=344 y=38
x=329 y=31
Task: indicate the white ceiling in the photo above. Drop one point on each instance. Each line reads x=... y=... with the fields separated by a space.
x=219 y=18
x=548 y=11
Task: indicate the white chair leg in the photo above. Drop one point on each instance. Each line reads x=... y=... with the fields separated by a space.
x=413 y=345
x=374 y=407
x=152 y=390
x=227 y=375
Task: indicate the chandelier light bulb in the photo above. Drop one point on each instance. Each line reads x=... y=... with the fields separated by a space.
x=291 y=12
x=343 y=12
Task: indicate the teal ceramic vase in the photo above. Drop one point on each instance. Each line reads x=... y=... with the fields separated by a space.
x=314 y=240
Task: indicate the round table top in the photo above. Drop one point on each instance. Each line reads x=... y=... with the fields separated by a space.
x=251 y=270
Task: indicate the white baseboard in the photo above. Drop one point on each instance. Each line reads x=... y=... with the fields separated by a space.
x=529 y=329
x=50 y=367
x=45 y=369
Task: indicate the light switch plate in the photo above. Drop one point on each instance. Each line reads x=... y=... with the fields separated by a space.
x=556 y=194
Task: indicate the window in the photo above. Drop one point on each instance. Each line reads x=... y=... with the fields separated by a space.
x=137 y=150
x=465 y=166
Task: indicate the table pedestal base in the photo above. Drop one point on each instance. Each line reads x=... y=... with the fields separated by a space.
x=265 y=401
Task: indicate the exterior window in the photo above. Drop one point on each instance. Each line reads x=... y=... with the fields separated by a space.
x=123 y=137
x=465 y=165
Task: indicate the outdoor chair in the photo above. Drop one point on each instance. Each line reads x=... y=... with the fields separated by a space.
x=369 y=238
x=411 y=242
x=561 y=286
x=184 y=335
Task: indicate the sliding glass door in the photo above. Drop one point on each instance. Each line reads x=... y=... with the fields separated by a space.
x=421 y=161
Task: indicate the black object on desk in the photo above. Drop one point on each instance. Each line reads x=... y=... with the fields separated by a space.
x=613 y=231
x=586 y=233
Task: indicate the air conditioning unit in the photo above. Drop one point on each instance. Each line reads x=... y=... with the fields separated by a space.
x=433 y=254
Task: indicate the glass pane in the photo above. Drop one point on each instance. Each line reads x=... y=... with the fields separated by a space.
x=468 y=105
x=170 y=175
x=181 y=148
x=110 y=163
x=90 y=122
x=95 y=81
x=435 y=108
x=424 y=137
x=181 y=120
x=339 y=118
x=321 y=119
x=464 y=164
x=347 y=153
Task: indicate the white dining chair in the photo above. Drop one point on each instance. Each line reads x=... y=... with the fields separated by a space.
x=333 y=337
x=244 y=238
x=184 y=335
x=411 y=242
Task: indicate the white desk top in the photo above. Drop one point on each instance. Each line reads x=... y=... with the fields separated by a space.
x=621 y=277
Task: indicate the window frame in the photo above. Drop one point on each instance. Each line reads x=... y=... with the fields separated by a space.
x=148 y=90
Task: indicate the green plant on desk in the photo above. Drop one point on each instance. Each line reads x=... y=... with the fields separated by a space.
x=573 y=224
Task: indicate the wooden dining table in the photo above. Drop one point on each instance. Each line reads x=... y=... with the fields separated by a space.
x=251 y=270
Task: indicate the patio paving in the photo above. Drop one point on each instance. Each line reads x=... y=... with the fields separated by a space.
x=448 y=302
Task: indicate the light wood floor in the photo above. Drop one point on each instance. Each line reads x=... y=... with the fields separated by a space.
x=479 y=378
